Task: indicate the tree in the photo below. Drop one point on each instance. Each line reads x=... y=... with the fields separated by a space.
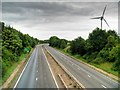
x=97 y=40
x=11 y=41
x=104 y=54
x=54 y=41
x=78 y=46
x=63 y=43
x=112 y=33
x=115 y=56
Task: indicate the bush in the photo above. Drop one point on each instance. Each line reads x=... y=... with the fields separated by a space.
x=104 y=54
x=8 y=55
x=116 y=55
x=98 y=60
x=4 y=69
x=93 y=55
x=116 y=65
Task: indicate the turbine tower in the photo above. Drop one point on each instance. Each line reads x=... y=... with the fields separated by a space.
x=102 y=17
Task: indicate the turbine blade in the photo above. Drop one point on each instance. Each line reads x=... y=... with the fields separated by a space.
x=106 y=23
x=104 y=11
x=96 y=18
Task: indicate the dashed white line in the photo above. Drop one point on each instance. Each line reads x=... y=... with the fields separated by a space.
x=104 y=86
x=51 y=70
x=36 y=79
x=89 y=76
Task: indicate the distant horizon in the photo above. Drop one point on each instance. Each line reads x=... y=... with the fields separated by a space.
x=63 y=38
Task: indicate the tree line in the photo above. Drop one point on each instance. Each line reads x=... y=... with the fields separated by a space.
x=56 y=42
x=14 y=44
x=101 y=46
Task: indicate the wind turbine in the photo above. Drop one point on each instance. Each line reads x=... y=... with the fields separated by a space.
x=102 y=17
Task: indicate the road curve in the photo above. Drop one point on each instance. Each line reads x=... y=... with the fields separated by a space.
x=87 y=76
x=37 y=73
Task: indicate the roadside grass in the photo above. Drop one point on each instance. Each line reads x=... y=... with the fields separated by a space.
x=12 y=68
x=104 y=66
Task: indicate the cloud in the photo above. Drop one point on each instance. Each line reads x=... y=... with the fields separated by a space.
x=38 y=17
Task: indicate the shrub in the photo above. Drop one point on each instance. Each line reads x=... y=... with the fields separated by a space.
x=104 y=54
x=98 y=60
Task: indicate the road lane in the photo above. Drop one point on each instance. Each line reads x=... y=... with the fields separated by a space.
x=89 y=77
x=37 y=73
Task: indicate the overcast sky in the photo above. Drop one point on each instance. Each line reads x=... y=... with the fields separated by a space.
x=63 y=19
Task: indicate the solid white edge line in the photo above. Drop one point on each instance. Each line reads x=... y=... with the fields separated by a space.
x=36 y=78
x=104 y=75
x=50 y=69
x=21 y=74
x=89 y=76
x=103 y=86
x=67 y=71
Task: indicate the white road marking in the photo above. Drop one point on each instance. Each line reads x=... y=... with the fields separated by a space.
x=23 y=70
x=50 y=69
x=37 y=70
x=86 y=71
x=36 y=79
x=83 y=69
x=68 y=72
x=104 y=86
x=89 y=76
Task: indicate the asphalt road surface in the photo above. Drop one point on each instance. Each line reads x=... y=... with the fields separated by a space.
x=87 y=76
x=37 y=73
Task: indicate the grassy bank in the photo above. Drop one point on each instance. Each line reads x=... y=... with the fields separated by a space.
x=104 y=66
x=10 y=69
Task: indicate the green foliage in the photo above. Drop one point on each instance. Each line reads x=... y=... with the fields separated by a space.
x=63 y=43
x=98 y=60
x=97 y=40
x=100 y=47
x=56 y=42
x=7 y=59
x=13 y=44
x=11 y=41
x=104 y=54
x=78 y=46
x=115 y=56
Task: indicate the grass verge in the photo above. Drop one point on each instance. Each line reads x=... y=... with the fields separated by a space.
x=12 y=68
x=104 y=66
